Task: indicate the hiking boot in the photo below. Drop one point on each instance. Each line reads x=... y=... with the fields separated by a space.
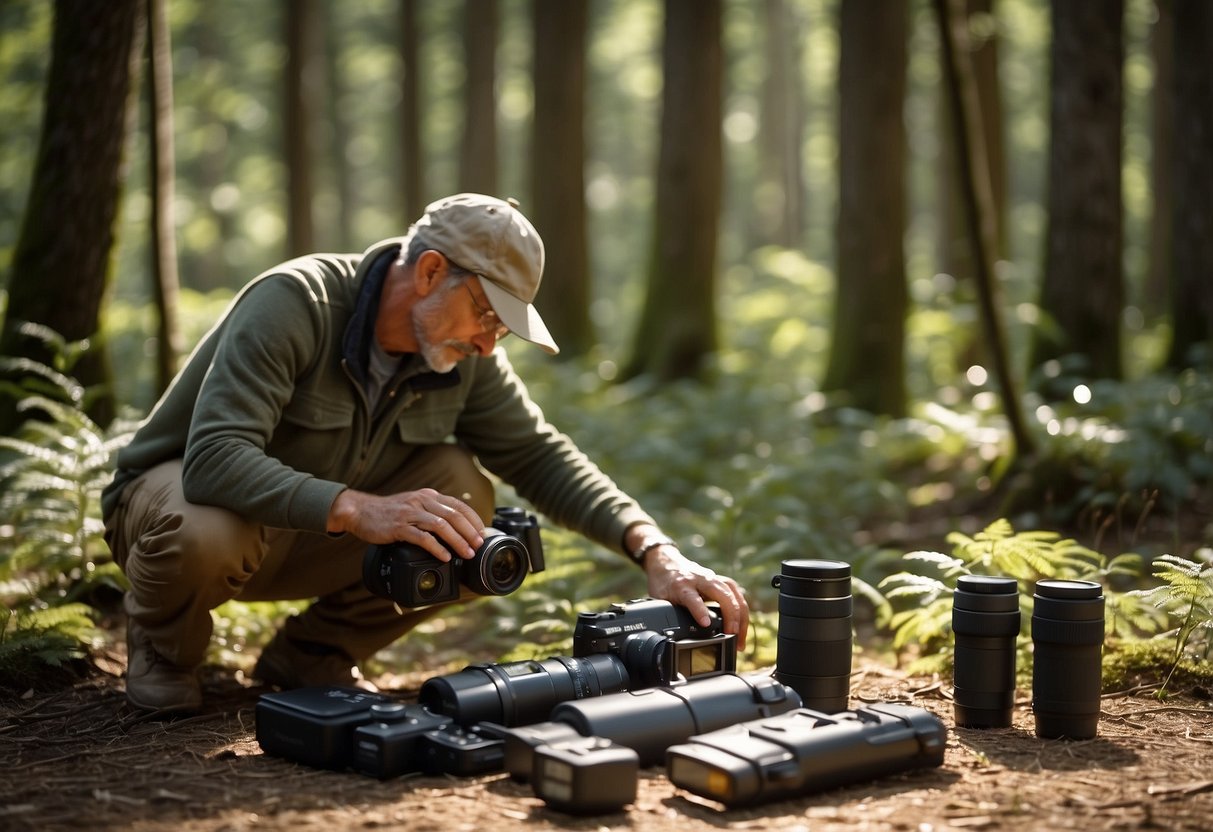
x=153 y=683
x=285 y=663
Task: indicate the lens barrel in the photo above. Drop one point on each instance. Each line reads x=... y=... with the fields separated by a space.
x=521 y=693
x=985 y=619
x=499 y=566
x=1067 y=634
x=813 y=649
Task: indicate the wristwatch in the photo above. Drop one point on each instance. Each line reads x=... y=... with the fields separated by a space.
x=649 y=544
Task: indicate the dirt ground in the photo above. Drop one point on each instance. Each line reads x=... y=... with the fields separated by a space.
x=81 y=758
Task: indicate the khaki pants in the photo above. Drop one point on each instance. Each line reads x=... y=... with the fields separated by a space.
x=183 y=560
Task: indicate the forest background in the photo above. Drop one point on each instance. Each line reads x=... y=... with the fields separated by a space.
x=833 y=279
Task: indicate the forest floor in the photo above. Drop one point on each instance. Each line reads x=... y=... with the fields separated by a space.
x=80 y=757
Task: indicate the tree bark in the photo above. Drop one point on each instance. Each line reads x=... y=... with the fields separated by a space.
x=1082 y=290
x=478 y=150
x=60 y=266
x=302 y=88
x=867 y=362
x=558 y=170
x=162 y=185
x=677 y=328
x=1162 y=172
x=955 y=257
x=413 y=173
x=979 y=213
x=1192 y=238
x=779 y=193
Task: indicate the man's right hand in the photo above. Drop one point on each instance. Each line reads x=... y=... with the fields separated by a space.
x=417 y=517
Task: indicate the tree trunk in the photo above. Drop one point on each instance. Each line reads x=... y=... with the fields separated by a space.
x=955 y=250
x=868 y=340
x=478 y=150
x=60 y=266
x=678 y=323
x=558 y=169
x=978 y=201
x=779 y=193
x=303 y=85
x=341 y=174
x=1082 y=290
x=1162 y=170
x=412 y=171
x=1192 y=239
x=161 y=186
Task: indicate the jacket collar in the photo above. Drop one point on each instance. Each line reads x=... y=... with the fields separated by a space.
x=356 y=342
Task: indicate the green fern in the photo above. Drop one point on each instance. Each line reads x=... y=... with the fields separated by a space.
x=53 y=537
x=33 y=639
x=53 y=556
x=1186 y=597
x=924 y=602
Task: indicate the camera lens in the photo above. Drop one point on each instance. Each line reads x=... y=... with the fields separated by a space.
x=429 y=582
x=644 y=656
x=521 y=693
x=813 y=649
x=1067 y=636
x=985 y=619
x=499 y=565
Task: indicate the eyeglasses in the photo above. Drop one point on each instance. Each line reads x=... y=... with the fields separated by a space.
x=489 y=322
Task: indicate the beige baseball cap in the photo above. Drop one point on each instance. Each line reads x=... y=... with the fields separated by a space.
x=491 y=237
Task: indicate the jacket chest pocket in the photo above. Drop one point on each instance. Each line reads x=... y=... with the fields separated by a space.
x=314 y=434
x=427 y=424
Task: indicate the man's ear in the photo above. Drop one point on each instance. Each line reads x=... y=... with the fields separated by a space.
x=428 y=272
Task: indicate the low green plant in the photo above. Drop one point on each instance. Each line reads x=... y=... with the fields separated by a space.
x=53 y=558
x=923 y=602
x=1185 y=596
x=35 y=639
x=1129 y=449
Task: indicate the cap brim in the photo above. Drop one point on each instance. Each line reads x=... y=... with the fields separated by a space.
x=521 y=317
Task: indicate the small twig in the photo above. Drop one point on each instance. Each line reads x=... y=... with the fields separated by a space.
x=1206 y=712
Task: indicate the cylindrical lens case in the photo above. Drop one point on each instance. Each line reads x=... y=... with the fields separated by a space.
x=1067 y=636
x=815 y=628
x=985 y=621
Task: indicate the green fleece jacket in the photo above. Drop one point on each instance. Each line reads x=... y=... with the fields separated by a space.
x=271 y=417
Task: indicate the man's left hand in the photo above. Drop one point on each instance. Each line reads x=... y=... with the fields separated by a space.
x=675 y=578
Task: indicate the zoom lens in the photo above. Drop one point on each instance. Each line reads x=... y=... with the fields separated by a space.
x=985 y=619
x=521 y=693
x=1067 y=636
x=813 y=650
x=498 y=567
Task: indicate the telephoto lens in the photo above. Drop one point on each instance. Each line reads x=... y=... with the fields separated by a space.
x=521 y=693
x=985 y=619
x=1067 y=636
x=813 y=648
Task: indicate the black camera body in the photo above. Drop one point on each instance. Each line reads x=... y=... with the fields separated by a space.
x=412 y=577
x=394 y=742
x=659 y=643
x=803 y=751
x=315 y=726
x=462 y=750
x=638 y=644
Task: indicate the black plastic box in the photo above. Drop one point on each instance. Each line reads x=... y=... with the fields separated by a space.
x=314 y=726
